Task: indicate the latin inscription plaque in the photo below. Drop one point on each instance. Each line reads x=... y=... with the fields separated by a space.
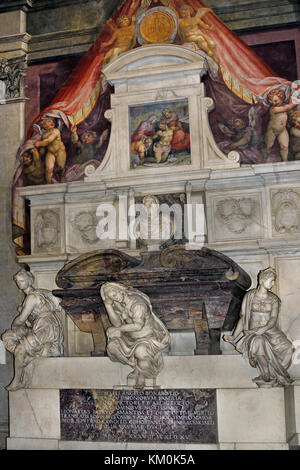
x=183 y=416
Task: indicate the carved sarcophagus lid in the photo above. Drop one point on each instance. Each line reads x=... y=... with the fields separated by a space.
x=200 y=290
x=88 y=270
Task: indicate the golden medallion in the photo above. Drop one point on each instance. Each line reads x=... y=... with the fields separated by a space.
x=157 y=26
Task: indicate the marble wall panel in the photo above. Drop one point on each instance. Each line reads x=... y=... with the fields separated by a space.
x=11 y=133
x=290 y=411
x=288 y=283
x=249 y=416
x=19 y=443
x=2 y=353
x=297 y=411
x=236 y=216
x=285 y=211
x=251 y=263
x=47 y=230
x=12 y=22
x=29 y=417
x=81 y=225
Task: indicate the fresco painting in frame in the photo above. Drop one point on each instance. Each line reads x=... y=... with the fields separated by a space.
x=159 y=134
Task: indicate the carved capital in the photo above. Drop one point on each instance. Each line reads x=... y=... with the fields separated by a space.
x=12 y=73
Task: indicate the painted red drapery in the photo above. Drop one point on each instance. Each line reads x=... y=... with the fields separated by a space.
x=242 y=70
x=78 y=96
x=241 y=67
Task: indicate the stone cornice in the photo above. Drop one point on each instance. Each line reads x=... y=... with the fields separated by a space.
x=12 y=5
x=14 y=45
x=230 y=7
x=255 y=15
x=24 y=37
x=250 y=5
x=36 y=5
x=47 y=4
x=58 y=35
x=60 y=43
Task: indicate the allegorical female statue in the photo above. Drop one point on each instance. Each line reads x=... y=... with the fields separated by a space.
x=35 y=332
x=137 y=337
x=258 y=337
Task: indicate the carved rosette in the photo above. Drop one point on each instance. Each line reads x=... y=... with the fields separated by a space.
x=12 y=73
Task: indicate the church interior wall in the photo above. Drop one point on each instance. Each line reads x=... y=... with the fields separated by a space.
x=54 y=41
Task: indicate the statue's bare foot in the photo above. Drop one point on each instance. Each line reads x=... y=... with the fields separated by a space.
x=228 y=338
x=26 y=382
x=12 y=387
x=140 y=382
x=283 y=383
x=261 y=378
x=133 y=375
x=264 y=380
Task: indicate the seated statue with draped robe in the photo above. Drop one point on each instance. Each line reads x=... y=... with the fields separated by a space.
x=258 y=337
x=137 y=337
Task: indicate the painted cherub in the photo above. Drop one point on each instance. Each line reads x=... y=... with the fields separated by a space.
x=144 y=149
x=238 y=131
x=52 y=144
x=277 y=124
x=88 y=145
x=295 y=134
x=191 y=26
x=123 y=38
x=33 y=168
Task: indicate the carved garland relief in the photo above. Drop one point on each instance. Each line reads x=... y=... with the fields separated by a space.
x=286 y=211
x=237 y=214
x=46 y=230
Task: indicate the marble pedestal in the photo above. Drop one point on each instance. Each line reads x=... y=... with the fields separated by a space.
x=248 y=417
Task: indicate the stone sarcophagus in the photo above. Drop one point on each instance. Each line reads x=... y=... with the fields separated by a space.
x=199 y=290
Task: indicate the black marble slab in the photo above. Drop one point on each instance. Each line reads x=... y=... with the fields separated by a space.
x=177 y=416
x=200 y=290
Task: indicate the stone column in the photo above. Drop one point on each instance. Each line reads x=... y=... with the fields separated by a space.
x=12 y=106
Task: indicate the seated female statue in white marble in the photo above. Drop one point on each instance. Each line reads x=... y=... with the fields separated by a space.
x=258 y=337
x=137 y=337
x=35 y=332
